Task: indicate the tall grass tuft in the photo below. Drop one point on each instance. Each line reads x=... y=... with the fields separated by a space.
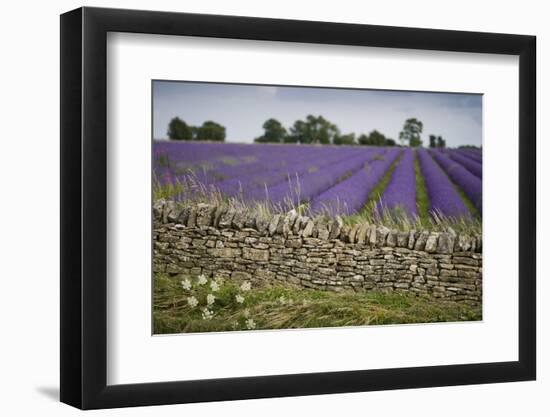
x=191 y=191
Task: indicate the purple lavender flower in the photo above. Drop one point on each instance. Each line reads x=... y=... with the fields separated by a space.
x=350 y=195
x=443 y=196
x=400 y=192
x=468 y=163
x=296 y=190
x=468 y=182
x=473 y=154
x=333 y=178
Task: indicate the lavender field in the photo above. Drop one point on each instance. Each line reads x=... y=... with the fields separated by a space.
x=335 y=180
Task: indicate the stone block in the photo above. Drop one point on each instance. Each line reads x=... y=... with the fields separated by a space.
x=255 y=254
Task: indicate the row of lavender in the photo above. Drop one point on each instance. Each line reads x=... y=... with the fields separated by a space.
x=337 y=180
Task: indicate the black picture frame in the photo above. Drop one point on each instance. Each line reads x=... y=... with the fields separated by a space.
x=84 y=207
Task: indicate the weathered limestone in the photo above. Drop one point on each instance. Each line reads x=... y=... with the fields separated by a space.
x=204 y=215
x=320 y=252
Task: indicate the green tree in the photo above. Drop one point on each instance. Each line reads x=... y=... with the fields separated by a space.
x=433 y=141
x=363 y=139
x=179 y=130
x=348 y=139
x=194 y=132
x=411 y=133
x=415 y=142
x=315 y=129
x=376 y=138
x=290 y=139
x=298 y=132
x=274 y=132
x=441 y=143
x=320 y=130
x=211 y=131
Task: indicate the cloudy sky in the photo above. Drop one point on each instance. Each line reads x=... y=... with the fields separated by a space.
x=242 y=109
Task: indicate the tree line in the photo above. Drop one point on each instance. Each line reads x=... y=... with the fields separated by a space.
x=209 y=130
x=312 y=130
x=317 y=130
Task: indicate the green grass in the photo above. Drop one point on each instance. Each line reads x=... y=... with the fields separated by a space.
x=467 y=202
x=284 y=307
x=167 y=191
x=163 y=160
x=422 y=199
x=378 y=191
x=367 y=213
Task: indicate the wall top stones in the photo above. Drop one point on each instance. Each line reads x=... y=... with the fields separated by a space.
x=292 y=225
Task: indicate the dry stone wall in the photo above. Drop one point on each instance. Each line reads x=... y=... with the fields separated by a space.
x=320 y=252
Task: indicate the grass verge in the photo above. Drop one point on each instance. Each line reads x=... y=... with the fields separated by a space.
x=283 y=307
x=378 y=191
x=422 y=199
x=367 y=213
x=467 y=202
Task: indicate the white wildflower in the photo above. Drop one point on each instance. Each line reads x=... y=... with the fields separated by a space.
x=210 y=299
x=245 y=286
x=219 y=280
x=290 y=301
x=214 y=286
x=250 y=324
x=186 y=284
x=192 y=301
x=247 y=313
x=202 y=279
x=207 y=314
x=239 y=298
x=282 y=300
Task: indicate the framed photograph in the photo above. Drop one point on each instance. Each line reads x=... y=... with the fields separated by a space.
x=256 y=208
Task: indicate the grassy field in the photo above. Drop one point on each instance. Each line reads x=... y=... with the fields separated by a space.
x=198 y=304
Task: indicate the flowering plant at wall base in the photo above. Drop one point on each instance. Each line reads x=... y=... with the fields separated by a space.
x=272 y=306
x=204 y=302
